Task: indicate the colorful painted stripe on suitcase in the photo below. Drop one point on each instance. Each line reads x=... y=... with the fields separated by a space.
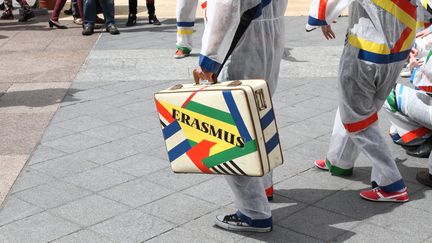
x=207 y=148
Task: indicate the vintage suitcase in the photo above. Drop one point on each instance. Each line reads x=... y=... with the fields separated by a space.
x=225 y=128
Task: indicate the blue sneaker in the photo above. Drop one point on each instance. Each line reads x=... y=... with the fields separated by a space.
x=233 y=222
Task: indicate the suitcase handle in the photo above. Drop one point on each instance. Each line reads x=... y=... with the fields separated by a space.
x=197 y=78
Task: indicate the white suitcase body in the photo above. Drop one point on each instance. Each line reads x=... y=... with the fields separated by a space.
x=226 y=128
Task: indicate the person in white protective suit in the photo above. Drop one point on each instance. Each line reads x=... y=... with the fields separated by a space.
x=185 y=16
x=257 y=55
x=379 y=39
x=411 y=113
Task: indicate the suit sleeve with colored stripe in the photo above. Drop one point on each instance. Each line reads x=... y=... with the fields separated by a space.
x=323 y=12
x=223 y=17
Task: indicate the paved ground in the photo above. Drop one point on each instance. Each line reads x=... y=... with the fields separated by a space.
x=100 y=173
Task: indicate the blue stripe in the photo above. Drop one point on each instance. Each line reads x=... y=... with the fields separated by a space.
x=399 y=97
x=394 y=187
x=383 y=58
x=262 y=5
x=208 y=64
x=258 y=223
x=267 y=119
x=179 y=150
x=316 y=22
x=229 y=100
x=171 y=129
x=272 y=143
x=414 y=71
x=185 y=24
x=395 y=137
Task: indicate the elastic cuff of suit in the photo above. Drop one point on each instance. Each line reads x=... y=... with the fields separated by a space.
x=258 y=223
x=394 y=187
x=334 y=170
x=184 y=49
x=208 y=64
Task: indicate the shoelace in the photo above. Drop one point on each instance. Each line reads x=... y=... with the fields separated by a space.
x=232 y=218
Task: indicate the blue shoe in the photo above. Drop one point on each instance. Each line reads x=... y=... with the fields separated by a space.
x=233 y=222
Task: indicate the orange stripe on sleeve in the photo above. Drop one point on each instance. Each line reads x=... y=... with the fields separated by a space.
x=409 y=136
x=322 y=10
x=357 y=126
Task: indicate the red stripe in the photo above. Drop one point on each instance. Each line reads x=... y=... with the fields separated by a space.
x=163 y=112
x=191 y=96
x=269 y=191
x=404 y=36
x=322 y=10
x=200 y=152
x=407 y=7
x=409 y=136
x=357 y=126
x=204 y=5
x=425 y=88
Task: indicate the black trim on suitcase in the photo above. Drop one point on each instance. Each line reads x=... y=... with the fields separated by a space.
x=237 y=167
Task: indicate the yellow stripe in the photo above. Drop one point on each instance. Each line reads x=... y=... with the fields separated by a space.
x=184 y=32
x=425 y=3
x=409 y=41
x=197 y=136
x=401 y=15
x=368 y=45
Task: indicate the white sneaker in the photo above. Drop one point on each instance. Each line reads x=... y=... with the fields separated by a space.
x=406 y=72
x=234 y=223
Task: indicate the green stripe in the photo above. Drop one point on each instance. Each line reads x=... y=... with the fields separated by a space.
x=428 y=56
x=184 y=49
x=391 y=100
x=334 y=170
x=192 y=143
x=210 y=112
x=230 y=154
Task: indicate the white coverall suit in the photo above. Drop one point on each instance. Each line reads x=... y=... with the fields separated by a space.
x=411 y=109
x=257 y=55
x=185 y=17
x=379 y=39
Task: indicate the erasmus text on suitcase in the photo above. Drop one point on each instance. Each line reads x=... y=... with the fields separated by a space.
x=220 y=129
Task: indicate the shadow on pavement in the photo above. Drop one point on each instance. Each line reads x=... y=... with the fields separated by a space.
x=332 y=217
x=37 y=98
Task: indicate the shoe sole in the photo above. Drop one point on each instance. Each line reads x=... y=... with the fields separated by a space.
x=180 y=57
x=384 y=200
x=242 y=228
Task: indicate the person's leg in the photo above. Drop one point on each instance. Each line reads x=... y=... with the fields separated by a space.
x=7 y=13
x=151 y=12
x=251 y=203
x=108 y=12
x=185 y=17
x=57 y=9
x=89 y=16
x=133 y=5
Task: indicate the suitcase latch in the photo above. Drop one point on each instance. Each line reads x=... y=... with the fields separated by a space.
x=260 y=99
x=235 y=83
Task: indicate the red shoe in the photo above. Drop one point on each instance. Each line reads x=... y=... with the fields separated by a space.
x=321 y=164
x=269 y=193
x=378 y=195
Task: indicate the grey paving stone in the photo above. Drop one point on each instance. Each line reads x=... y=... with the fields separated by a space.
x=169 y=179
x=310 y=128
x=54 y=132
x=136 y=193
x=64 y=114
x=90 y=210
x=139 y=124
x=205 y=228
x=41 y=227
x=52 y=194
x=397 y=220
x=178 y=208
x=43 y=153
x=294 y=163
x=16 y=209
x=214 y=191
x=325 y=227
x=86 y=108
x=106 y=177
x=280 y=234
x=111 y=132
x=113 y=115
x=298 y=113
x=289 y=139
x=283 y=207
x=315 y=149
x=74 y=143
x=182 y=234
x=81 y=123
x=145 y=142
x=372 y=233
x=133 y=226
x=420 y=199
x=107 y=153
x=126 y=86
x=64 y=166
x=93 y=94
x=83 y=236
x=139 y=165
x=30 y=178
x=120 y=100
x=305 y=190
